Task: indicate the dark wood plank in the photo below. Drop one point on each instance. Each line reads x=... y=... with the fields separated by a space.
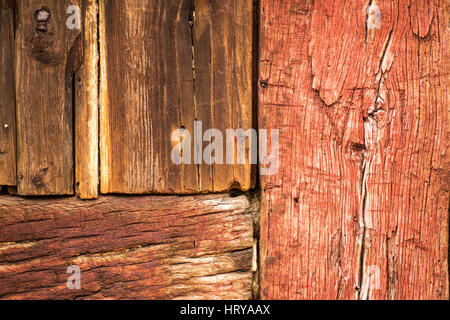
x=7 y=96
x=165 y=65
x=44 y=89
x=127 y=247
x=359 y=207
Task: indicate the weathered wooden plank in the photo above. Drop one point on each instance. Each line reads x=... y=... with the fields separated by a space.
x=165 y=65
x=127 y=247
x=359 y=207
x=310 y=208
x=86 y=107
x=44 y=96
x=7 y=96
x=222 y=41
x=406 y=168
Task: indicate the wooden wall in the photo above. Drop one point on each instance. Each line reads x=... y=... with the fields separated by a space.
x=162 y=67
x=127 y=247
x=358 y=208
x=92 y=110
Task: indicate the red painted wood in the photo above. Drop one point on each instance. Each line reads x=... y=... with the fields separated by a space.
x=127 y=247
x=359 y=207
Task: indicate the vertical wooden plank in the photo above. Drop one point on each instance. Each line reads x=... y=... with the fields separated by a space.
x=142 y=95
x=86 y=108
x=44 y=87
x=359 y=207
x=164 y=66
x=310 y=214
x=406 y=176
x=223 y=32
x=7 y=99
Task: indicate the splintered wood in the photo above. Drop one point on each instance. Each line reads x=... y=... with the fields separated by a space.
x=127 y=247
x=7 y=96
x=165 y=65
x=359 y=207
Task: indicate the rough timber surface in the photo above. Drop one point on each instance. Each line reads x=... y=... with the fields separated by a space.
x=165 y=65
x=195 y=247
x=359 y=207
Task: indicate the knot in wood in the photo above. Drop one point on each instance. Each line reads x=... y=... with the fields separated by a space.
x=42 y=15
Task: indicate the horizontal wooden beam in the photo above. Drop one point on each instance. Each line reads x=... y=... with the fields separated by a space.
x=194 y=247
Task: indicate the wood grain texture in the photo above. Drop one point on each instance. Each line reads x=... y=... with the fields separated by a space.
x=406 y=168
x=127 y=247
x=359 y=207
x=223 y=51
x=163 y=66
x=86 y=107
x=44 y=96
x=7 y=96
